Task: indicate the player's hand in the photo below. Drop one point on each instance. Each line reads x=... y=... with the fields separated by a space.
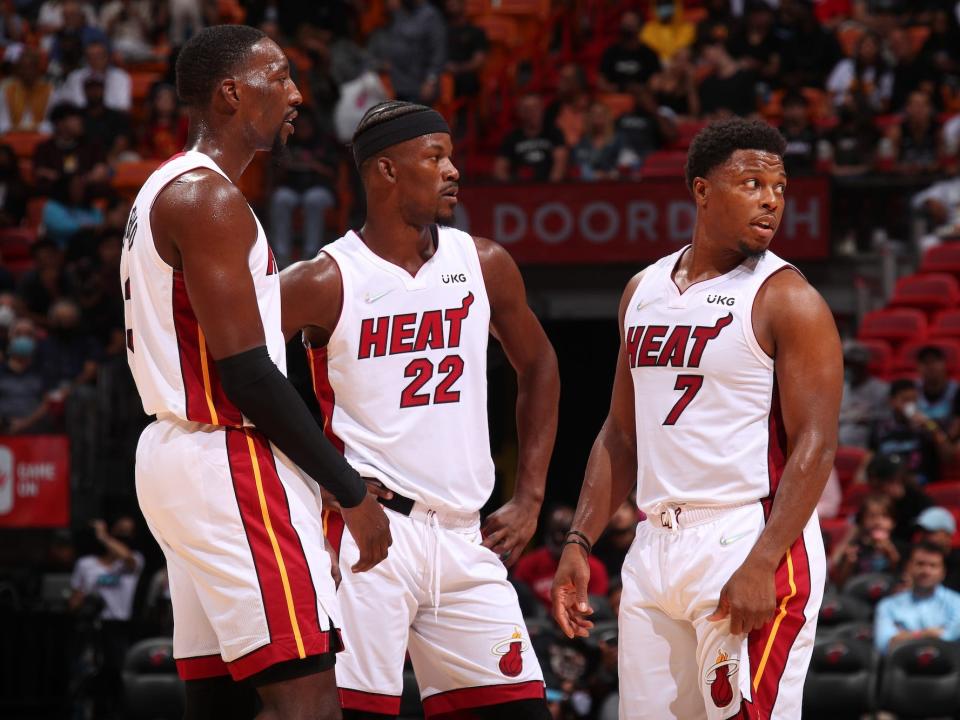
x=748 y=599
x=569 y=592
x=373 y=486
x=370 y=528
x=509 y=529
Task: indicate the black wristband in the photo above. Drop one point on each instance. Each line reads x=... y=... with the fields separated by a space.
x=577 y=542
x=589 y=545
x=260 y=391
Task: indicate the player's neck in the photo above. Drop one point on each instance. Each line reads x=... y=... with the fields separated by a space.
x=705 y=260
x=231 y=154
x=407 y=246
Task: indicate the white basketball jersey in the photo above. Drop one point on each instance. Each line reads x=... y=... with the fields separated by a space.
x=403 y=380
x=166 y=349
x=709 y=430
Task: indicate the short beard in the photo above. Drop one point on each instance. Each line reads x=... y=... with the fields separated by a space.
x=279 y=150
x=749 y=252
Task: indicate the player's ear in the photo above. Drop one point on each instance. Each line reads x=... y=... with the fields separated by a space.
x=387 y=169
x=229 y=93
x=701 y=190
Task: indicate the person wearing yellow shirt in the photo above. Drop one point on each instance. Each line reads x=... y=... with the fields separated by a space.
x=666 y=31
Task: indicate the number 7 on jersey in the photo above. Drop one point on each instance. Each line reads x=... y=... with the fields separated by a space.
x=690 y=385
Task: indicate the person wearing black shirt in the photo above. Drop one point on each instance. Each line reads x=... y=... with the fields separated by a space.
x=800 y=157
x=532 y=151
x=466 y=50
x=106 y=127
x=627 y=61
x=807 y=51
x=647 y=127
x=728 y=88
x=911 y=70
x=754 y=43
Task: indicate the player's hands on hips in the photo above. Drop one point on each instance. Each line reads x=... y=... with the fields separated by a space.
x=370 y=528
x=748 y=599
x=569 y=592
x=508 y=530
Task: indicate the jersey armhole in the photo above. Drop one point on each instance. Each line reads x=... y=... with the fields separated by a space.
x=748 y=331
x=344 y=294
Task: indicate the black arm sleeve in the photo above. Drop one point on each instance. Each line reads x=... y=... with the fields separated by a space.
x=260 y=391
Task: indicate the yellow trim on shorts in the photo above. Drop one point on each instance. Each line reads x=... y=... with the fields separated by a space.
x=204 y=368
x=276 y=546
x=776 y=623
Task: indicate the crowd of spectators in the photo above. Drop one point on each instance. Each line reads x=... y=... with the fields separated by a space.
x=589 y=93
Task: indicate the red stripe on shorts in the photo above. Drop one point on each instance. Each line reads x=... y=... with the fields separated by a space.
x=474 y=697
x=201 y=667
x=769 y=647
x=286 y=588
x=278 y=651
x=369 y=702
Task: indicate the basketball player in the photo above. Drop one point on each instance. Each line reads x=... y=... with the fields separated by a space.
x=397 y=318
x=239 y=523
x=724 y=413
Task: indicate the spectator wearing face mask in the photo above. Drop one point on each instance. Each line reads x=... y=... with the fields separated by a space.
x=24 y=407
x=537 y=568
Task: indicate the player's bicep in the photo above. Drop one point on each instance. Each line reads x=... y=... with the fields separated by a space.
x=808 y=363
x=214 y=238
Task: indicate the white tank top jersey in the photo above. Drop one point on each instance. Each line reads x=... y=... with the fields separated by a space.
x=166 y=349
x=709 y=429
x=402 y=382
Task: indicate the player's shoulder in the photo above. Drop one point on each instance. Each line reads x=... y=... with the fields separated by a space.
x=319 y=275
x=199 y=196
x=493 y=256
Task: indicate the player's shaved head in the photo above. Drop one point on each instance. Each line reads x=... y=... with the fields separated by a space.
x=210 y=56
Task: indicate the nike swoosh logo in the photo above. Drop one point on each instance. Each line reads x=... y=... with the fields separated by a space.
x=733 y=538
x=373 y=298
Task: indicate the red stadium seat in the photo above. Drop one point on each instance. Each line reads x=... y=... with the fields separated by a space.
x=686 y=131
x=618 y=103
x=853 y=496
x=946 y=324
x=130 y=176
x=906 y=360
x=945 y=494
x=881 y=357
x=847 y=462
x=895 y=325
x=933 y=291
x=23 y=143
x=834 y=530
x=942 y=259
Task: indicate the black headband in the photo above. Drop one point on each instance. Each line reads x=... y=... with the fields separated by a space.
x=397 y=130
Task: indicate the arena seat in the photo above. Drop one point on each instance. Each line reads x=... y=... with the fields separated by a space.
x=945 y=494
x=881 y=357
x=854 y=631
x=847 y=461
x=152 y=690
x=129 y=177
x=841 y=680
x=930 y=292
x=23 y=143
x=941 y=259
x=870 y=588
x=837 y=610
x=140 y=85
x=853 y=495
x=921 y=679
x=539 y=9
x=834 y=530
x=945 y=324
x=906 y=359
x=895 y=325
x=686 y=131
x=618 y=103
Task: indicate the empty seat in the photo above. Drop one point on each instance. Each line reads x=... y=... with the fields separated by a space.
x=23 y=143
x=130 y=176
x=834 y=530
x=945 y=494
x=921 y=679
x=836 y=610
x=895 y=325
x=664 y=163
x=847 y=461
x=853 y=495
x=932 y=291
x=841 y=680
x=946 y=323
x=152 y=690
x=881 y=357
x=870 y=588
x=942 y=259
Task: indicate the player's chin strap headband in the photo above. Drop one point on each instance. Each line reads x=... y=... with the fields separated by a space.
x=397 y=130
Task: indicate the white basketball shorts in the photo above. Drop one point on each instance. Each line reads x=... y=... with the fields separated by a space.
x=446 y=599
x=673 y=662
x=242 y=533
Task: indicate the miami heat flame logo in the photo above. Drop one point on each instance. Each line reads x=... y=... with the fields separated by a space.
x=511 y=659
x=718 y=678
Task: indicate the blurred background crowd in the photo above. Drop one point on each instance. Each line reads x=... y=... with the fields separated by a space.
x=539 y=95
